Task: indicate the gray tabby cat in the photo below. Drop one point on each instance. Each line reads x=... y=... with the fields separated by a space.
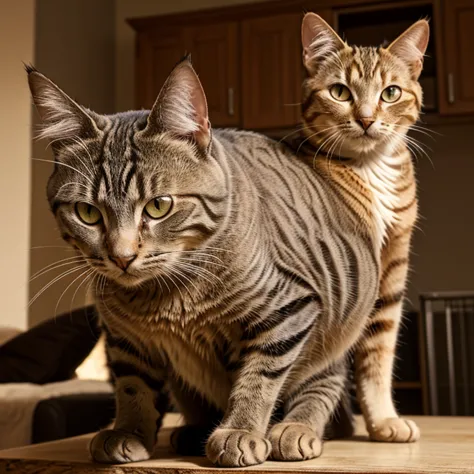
x=228 y=272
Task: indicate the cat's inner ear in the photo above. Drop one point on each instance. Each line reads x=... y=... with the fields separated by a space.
x=62 y=118
x=181 y=107
x=319 y=41
x=411 y=46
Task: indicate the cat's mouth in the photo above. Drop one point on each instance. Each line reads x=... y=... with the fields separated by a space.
x=129 y=280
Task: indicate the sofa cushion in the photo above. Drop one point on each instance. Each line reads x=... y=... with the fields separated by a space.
x=51 y=351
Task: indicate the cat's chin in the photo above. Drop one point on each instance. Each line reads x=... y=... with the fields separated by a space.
x=360 y=145
x=128 y=280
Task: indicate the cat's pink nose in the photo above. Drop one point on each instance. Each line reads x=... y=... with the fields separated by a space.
x=365 y=123
x=123 y=262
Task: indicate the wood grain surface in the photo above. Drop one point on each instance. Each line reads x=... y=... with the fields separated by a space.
x=446 y=447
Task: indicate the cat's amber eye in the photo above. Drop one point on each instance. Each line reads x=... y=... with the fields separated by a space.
x=159 y=207
x=391 y=94
x=340 y=92
x=88 y=213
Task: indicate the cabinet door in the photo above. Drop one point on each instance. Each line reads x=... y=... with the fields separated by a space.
x=215 y=56
x=272 y=71
x=457 y=64
x=157 y=54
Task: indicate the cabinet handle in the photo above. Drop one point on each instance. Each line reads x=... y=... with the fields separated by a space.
x=451 y=88
x=230 y=101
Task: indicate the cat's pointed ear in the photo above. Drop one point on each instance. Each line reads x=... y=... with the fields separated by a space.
x=319 y=40
x=181 y=107
x=411 y=46
x=62 y=118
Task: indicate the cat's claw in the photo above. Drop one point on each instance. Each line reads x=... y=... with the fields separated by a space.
x=118 y=447
x=237 y=448
x=394 y=430
x=294 y=442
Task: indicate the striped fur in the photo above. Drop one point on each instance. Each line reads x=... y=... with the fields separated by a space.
x=380 y=157
x=245 y=298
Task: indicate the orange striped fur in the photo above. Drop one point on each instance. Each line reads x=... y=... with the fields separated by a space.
x=358 y=135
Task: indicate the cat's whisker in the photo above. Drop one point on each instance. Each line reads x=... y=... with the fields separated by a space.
x=71 y=150
x=332 y=149
x=89 y=286
x=199 y=271
x=317 y=133
x=55 y=265
x=416 y=145
x=85 y=272
x=327 y=140
x=66 y=165
x=203 y=261
x=408 y=128
x=300 y=129
x=340 y=146
x=169 y=275
x=427 y=131
x=71 y=183
x=192 y=252
x=81 y=143
x=176 y=272
x=155 y=277
x=218 y=248
x=330 y=143
x=64 y=247
x=430 y=130
x=330 y=152
x=197 y=275
x=164 y=281
x=55 y=280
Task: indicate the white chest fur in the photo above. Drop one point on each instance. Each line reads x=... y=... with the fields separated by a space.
x=381 y=175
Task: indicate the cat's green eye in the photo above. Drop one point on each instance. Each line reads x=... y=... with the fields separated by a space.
x=88 y=214
x=340 y=92
x=391 y=94
x=159 y=207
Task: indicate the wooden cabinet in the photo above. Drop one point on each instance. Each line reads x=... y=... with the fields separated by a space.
x=271 y=61
x=248 y=57
x=457 y=63
x=215 y=55
x=157 y=54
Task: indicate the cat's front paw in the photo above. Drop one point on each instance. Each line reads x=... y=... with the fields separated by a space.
x=294 y=442
x=118 y=447
x=237 y=448
x=394 y=430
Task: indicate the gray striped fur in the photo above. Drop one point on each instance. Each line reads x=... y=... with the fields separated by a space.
x=247 y=296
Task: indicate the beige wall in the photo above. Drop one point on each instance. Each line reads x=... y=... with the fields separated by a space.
x=75 y=48
x=16 y=45
x=125 y=37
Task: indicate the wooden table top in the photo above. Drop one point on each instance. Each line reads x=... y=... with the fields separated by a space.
x=446 y=446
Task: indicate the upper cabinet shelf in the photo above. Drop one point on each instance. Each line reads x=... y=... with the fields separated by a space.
x=456 y=58
x=271 y=71
x=249 y=57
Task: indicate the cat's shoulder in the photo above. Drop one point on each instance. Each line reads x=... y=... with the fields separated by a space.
x=237 y=137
